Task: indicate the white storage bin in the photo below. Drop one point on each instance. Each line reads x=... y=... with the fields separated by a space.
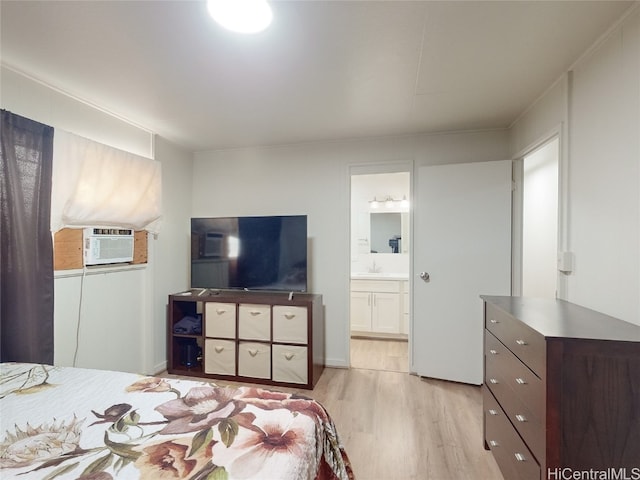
x=219 y=356
x=254 y=360
x=289 y=364
x=290 y=324
x=254 y=322
x=220 y=319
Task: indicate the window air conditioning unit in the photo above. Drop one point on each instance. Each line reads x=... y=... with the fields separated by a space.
x=107 y=245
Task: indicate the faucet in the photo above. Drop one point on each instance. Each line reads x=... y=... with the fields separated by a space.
x=373 y=268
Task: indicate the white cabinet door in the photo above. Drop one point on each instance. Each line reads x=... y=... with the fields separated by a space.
x=361 y=311
x=406 y=308
x=375 y=306
x=386 y=313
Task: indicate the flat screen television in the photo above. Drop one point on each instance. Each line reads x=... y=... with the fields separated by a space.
x=249 y=253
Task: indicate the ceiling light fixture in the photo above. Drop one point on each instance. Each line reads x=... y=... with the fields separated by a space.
x=243 y=16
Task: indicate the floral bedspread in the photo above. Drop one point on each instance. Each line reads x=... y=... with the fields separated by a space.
x=69 y=423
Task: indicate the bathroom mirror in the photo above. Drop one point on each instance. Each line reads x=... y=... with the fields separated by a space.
x=386 y=232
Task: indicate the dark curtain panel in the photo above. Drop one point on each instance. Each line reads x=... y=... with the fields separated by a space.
x=26 y=249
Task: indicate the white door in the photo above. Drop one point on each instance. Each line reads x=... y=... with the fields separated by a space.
x=462 y=241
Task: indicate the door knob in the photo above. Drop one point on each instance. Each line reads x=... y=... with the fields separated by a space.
x=425 y=276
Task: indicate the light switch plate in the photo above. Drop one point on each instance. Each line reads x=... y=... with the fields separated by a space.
x=565 y=262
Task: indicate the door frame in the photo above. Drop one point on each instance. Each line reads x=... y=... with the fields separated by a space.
x=404 y=165
x=563 y=240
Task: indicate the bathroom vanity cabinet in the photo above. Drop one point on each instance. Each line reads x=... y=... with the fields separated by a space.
x=377 y=306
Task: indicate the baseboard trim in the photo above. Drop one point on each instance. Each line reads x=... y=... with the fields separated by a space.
x=334 y=363
x=160 y=368
x=380 y=336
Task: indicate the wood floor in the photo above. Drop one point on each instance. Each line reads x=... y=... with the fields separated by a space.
x=397 y=426
x=378 y=354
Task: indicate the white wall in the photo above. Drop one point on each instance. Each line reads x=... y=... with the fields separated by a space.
x=24 y=96
x=123 y=321
x=102 y=316
x=314 y=179
x=599 y=106
x=171 y=252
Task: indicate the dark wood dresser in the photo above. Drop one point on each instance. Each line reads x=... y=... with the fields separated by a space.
x=561 y=390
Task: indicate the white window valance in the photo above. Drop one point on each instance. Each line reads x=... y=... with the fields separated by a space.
x=98 y=185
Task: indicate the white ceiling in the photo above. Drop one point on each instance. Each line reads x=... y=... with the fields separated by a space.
x=324 y=70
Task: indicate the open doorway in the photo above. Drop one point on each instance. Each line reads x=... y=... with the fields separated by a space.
x=538 y=248
x=380 y=263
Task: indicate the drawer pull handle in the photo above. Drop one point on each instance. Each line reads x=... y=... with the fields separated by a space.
x=492 y=412
x=493 y=352
x=494 y=321
x=520 y=457
x=288 y=355
x=521 y=342
x=493 y=443
x=521 y=381
x=255 y=312
x=253 y=352
x=521 y=418
x=221 y=311
x=289 y=316
x=219 y=349
x=493 y=380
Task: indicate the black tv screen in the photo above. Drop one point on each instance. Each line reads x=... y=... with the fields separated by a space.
x=252 y=253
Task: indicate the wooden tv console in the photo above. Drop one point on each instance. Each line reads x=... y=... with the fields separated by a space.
x=254 y=337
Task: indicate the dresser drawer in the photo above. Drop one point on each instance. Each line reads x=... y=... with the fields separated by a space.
x=521 y=381
x=290 y=324
x=527 y=344
x=219 y=356
x=254 y=360
x=502 y=368
x=254 y=322
x=388 y=286
x=220 y=319
x=513 y=457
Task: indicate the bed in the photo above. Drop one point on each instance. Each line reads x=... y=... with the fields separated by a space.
x=71 y=423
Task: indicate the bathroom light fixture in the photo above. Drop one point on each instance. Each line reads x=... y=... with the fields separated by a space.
x=389 y=202
x=243 y=16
